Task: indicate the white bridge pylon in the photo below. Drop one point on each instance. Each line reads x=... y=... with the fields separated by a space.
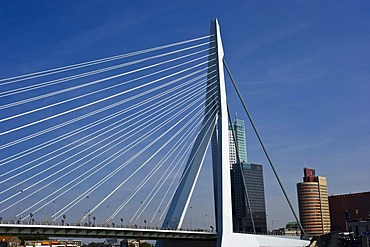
x=215 y=126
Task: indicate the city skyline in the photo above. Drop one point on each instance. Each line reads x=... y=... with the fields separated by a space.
x=247 y=185
x=302 y=68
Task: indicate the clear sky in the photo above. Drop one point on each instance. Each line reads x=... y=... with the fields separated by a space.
x=303 y=68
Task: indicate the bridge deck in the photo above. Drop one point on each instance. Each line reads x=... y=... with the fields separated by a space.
x=102 y=232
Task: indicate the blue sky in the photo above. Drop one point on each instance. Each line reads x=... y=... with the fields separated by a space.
x=302 y=67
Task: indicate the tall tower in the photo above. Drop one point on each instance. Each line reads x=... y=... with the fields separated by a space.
x=251 y=188
x=241 y=139
x=313 y=203
x=232 y=148
x=253 y=179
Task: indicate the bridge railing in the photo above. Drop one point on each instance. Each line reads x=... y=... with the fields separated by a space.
x=133 y=226
x=118 y=226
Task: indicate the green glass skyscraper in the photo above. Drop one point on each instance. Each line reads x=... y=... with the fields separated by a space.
x=241 y=140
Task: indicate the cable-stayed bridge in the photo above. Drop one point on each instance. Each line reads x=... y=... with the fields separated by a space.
x=114 y=147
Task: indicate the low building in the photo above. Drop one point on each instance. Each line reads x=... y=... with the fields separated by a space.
x=9 y=241
x=53 y=243
x=360 y=227
x=347 y=207
x=292 y=229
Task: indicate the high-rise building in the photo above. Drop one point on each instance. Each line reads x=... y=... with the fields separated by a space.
x=313 y=203
x=232 y=149
x=347 y=208
x=241 y=140
x=253 y=177
x=240 y=148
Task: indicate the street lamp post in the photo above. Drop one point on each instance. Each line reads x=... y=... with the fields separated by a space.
x=88 y=210
x=191 y=217
x=272 y=225
x=141 y=213
x=159 y=217
x=31 y=218
x=54 y=212
x=64 y=219
x=20 y=219
x=108 y=214
x=206 y=221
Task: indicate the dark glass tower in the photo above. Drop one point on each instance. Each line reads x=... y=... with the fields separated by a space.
x=253 y=176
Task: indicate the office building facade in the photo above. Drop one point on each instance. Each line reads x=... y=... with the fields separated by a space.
x=232 y=149
x=253 y=177
x=348 y=208
x=241 y=140
x=313 y=203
